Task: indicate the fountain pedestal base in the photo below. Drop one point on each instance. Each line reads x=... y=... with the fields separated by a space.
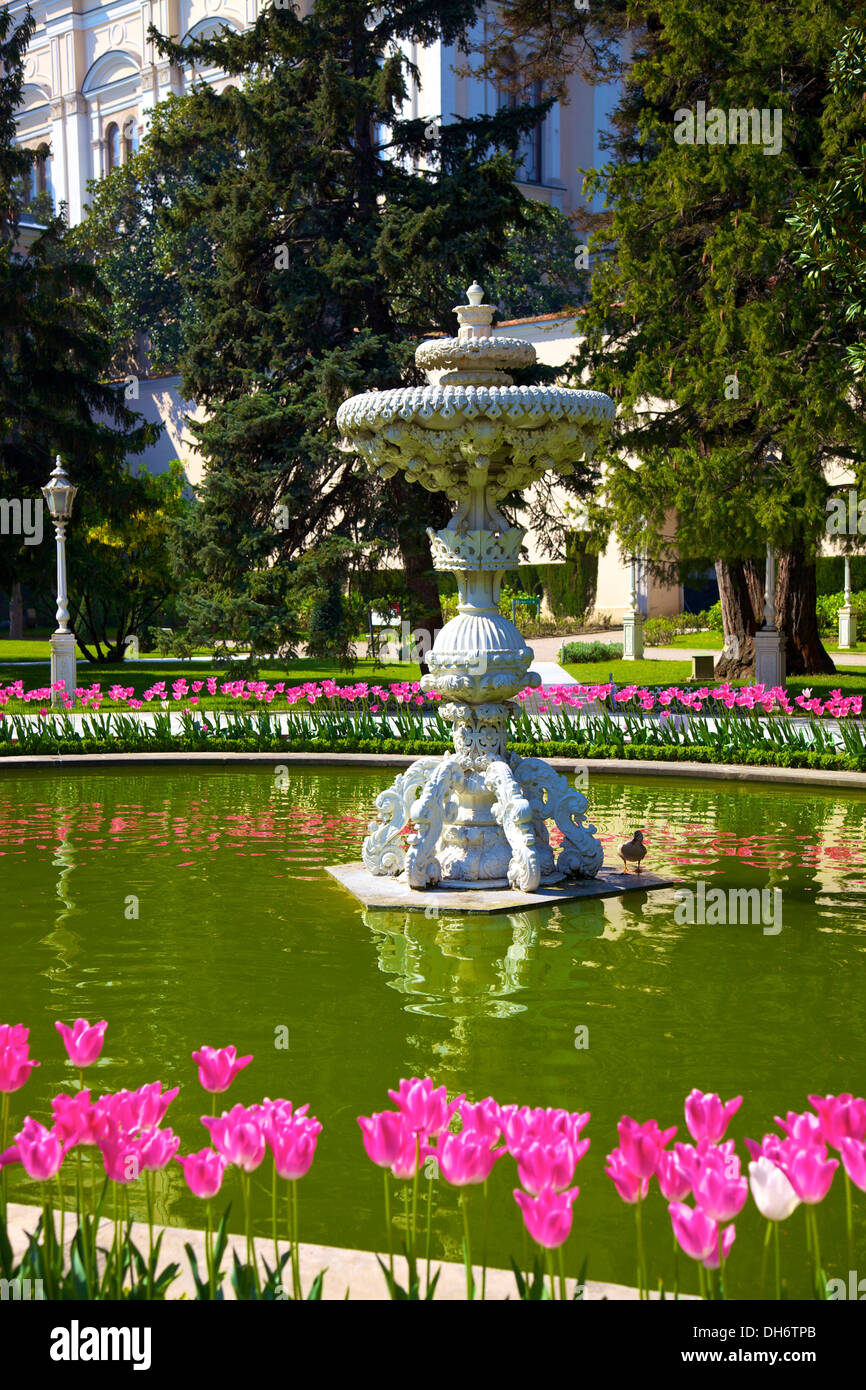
x=395 y=893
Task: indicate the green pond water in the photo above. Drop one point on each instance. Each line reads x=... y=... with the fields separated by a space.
x=241 y=934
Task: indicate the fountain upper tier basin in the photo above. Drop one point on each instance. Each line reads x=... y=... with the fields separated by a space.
x=450 y=438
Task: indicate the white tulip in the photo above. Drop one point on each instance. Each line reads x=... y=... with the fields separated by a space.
x=774 y=1196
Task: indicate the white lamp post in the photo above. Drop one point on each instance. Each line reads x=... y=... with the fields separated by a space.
x=847 y=615
x=59 y=495
x=632 y=622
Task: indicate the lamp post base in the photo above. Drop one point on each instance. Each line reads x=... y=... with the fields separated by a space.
x=769 y=658
x=632 y=636
x=63 y=665
x=847 y=626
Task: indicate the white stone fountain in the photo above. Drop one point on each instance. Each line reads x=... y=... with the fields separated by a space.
x=477 y=816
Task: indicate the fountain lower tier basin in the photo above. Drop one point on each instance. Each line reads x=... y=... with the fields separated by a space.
x=383 y=892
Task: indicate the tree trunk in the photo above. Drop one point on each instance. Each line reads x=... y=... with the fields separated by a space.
x=16 y=614
x=739 y=588
x=417 y=512
x=797 y=619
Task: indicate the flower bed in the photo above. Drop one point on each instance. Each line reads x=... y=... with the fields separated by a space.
x=119 y=1140
x=720 y=725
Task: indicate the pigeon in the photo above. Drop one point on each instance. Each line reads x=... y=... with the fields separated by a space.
x=633 y=851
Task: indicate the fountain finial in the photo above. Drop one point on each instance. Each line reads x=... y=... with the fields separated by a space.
x=476 y=317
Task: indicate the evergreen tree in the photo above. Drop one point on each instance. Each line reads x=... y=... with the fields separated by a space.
x=337 y=228
x=727 y=364
x=53 y=333
x=832 y=222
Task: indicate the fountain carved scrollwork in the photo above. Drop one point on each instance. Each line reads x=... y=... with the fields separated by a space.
x=477 y=817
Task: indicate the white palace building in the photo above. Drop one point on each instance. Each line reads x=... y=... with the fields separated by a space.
x=92 y=79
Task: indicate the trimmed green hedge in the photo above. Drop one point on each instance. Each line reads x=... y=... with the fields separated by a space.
x=828 y=762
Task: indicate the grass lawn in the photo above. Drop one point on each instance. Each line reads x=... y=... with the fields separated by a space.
x=706 y=641
x=143 y=674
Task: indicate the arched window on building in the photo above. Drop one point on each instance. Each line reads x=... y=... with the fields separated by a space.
x=112 y=147
x=130 y=138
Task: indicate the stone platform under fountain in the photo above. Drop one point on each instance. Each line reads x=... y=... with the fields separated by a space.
x=467 y=831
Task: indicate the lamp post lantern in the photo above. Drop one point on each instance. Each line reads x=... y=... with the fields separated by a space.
x=59 y=494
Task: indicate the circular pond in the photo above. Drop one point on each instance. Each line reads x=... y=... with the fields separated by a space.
x=190 y=905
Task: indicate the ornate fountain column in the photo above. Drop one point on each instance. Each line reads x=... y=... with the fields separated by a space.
x=477 y=815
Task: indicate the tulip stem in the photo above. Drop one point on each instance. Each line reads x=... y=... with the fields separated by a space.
x=388 y=1224
x=48 y=1241
x=62 y=1210
x=296 y=1260
x=641 y=1266
x=429 y=1229
x=816 y=1246
x=274 y=1218
x=767 y=1239
x=676 y=1270
x=208 y=1250
x=415 y=1181
x=148 y=1195
x=484 y=1240
x=550 y=1273
x=467 y=1251
x=562 y=1289
x=4 y=1126
x=849 y=1219
x=778 y=1262
x=252 y=1261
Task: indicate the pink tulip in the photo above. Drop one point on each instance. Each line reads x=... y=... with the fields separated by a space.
x=729 y=1235
x=157 y=1148
x=425 y=1110
x=707 y=1117
x=294 y=1147
x=521 y=1125
x=675 y=1175
x=238 y=1136
x=805 y=1127
x=719 y=1190
x=548 y=1165
x=218 y=1067
x=854 y=1158
x=13 y=1035
x=770 y=1147
x=484 y=1118
x=203 y=1171
x=82 y=1041
x=121 y=1154
x=383 y=1136
x=808 y=1170
x=76 y=1119
x=841 y=1117
x=696 y=1232
x=548 y=1216
x=412 y=1155
x=630 y=1187
x=152 y=1102
x=15 y=1067
x=642 y=1145
x=37 y=1149
x=466 y=1158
